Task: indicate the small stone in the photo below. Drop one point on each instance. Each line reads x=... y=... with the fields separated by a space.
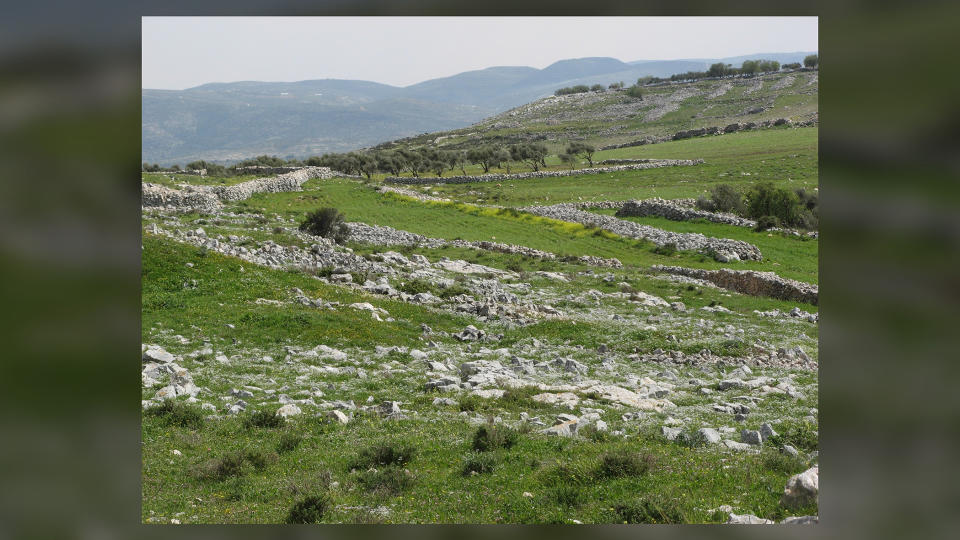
x=801 y=520
x=747 y=519
x=338 y=416
x=710 y=435
x=766 y=431
x=670 y=433
x=527 y=494
x=789 y=450
x=802 y=488
x=751 y=437
x=288 y=410
x=176 y=452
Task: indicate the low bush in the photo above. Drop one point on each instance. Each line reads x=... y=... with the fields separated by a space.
x=478 y=464
x=260 y=459
x=326 y=222
x=309 y=509
x=289 y=442
x=492 y=437
x=649 y=510
x=263 y=419
x=802 y=436
x=175 y=413
x=384 y=454
x=666 y=250
x=726 y=198
x=415 y=286
x=783 y=463
x=624 y=463
x=766 y=222
x=230 y=465
x=454 y=290
x=388 y=480
x=571 y=496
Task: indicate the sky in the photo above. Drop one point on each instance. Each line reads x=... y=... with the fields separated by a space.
x=182 y=52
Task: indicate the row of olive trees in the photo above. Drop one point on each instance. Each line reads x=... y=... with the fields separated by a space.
x=582 y=88
x=432 y=160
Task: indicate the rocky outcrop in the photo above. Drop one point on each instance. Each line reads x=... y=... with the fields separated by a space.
x=751 y=282
x=722 y=249
x=651 y=164
x=676 y=212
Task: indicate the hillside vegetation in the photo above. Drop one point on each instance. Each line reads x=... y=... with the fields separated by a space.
x=454 y=354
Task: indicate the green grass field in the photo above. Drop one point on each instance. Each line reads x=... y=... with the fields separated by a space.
x=787 y=157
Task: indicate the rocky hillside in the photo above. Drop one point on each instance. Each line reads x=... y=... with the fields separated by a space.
x=613 y=117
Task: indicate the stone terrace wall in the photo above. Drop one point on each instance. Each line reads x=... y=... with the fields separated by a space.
x=723 y=249
x=715 y=130
x=159 y=196
x=671 y=210
x=265 y=169
x=652 y=164
x=388 y=236
x=290 y=181
x=751 y=282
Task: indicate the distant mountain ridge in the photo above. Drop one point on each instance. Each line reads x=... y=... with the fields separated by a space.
x=227 y=122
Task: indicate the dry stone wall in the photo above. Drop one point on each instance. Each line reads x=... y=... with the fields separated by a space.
x=676 y=212
x=722 y=249
x=208 y=198
x=652 y=164
x=388 y=236
x=751 y=282
x=716 y=130
x=159 y=196
x=290 y=181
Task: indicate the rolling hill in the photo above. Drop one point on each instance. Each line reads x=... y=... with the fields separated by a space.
x=226 y=122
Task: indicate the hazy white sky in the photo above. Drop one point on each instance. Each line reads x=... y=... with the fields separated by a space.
x=181 y=52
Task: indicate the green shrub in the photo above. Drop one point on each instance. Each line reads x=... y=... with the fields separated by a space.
x=569 y=495
x=289 y=442
x=470 y=403
x=259 y=459
x=230 y=465
x=783 y=463
x=592 y=433
x=767 y=222
x=690 y=439
x=666 y=250
x=624 y=463
x=650 y=510
x=727 y=199
x=635 y=91
x=384 y=454
x=326 y=222
x=415 y=286
x=800 y=435
x=766 y=200
x=491 y=437
x=388 y=480
x=454 y=290
x=478 y=464
x=309 y=509
x=174 y=413
x=263 y=419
